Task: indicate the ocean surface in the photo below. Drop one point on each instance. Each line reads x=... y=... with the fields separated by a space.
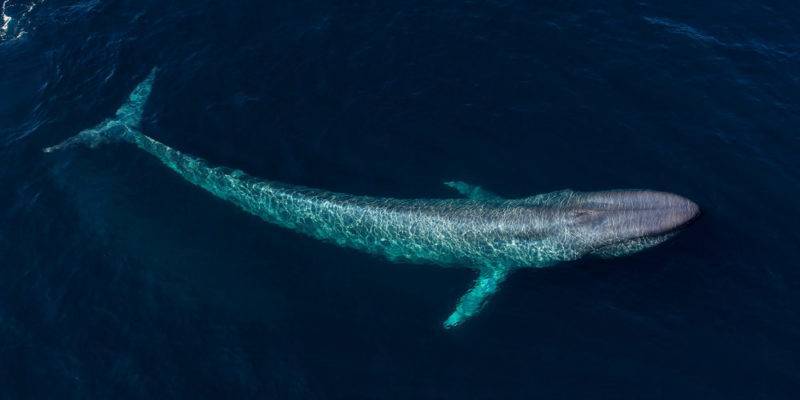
x=120 y=280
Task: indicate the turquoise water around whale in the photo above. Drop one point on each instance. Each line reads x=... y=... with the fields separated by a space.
x=119 y=279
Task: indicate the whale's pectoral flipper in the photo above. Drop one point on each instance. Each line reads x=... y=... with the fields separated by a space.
x=473 y=301
x=126 y=121
x=473 y=192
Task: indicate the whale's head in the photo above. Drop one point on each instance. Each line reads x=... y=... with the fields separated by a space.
x=620 y=222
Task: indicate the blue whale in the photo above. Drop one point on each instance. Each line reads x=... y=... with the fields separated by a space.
x=481 y=230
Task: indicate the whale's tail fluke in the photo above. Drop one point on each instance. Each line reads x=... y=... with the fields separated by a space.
x=123 y=126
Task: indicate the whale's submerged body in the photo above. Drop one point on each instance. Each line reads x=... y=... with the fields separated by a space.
x=481 y=231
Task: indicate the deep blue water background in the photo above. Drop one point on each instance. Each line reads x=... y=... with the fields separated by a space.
x=120 y=280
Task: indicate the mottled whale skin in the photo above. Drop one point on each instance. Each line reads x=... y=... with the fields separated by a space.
x=483 y=231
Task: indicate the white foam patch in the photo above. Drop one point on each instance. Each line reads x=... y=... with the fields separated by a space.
x=6 y=20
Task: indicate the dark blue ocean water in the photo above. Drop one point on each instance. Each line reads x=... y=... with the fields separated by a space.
x=120 y=280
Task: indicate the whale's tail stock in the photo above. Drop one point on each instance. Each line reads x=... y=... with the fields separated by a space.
x=122 y=126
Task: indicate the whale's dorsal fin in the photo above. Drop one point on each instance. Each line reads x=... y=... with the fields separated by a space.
x=473 y=192
x=473 y=301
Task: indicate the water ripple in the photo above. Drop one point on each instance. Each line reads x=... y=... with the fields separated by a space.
x=697 y=35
